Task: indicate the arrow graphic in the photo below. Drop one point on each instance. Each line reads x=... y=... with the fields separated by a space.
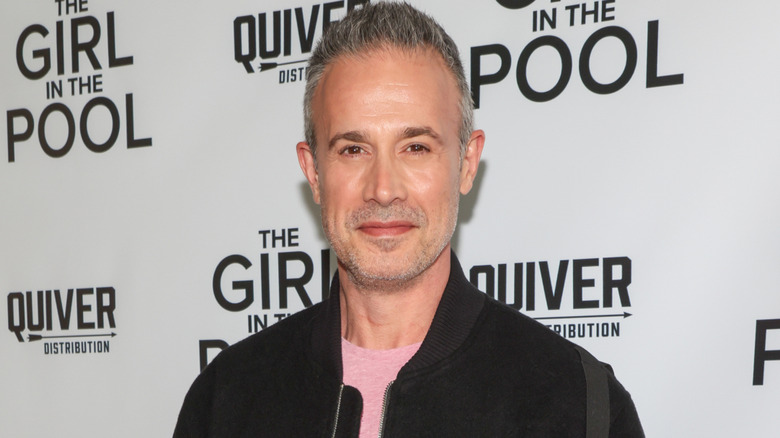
x=271 y=65
x=615 y=315
x=33 y=338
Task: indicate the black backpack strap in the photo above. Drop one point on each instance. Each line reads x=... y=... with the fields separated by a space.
x=597 y=394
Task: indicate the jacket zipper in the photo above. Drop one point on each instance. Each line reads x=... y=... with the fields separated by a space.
x=338 y=409
x=384 y=408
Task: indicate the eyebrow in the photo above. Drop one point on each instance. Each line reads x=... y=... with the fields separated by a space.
x=416 y=131
x=362 y=137
x=354 y=136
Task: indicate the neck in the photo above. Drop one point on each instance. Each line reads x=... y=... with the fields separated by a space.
x=382 y=319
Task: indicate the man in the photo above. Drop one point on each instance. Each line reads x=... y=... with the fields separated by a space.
x=405 y=346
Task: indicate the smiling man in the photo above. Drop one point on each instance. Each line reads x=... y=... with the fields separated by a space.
x=405 y=346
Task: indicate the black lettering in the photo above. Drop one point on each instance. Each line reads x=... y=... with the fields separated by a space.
x=113 y=61
x=43 y=54
x=298 y=283
x=277 y=35
x=501 y=290
x=61 y=108
x=530 y=286
x=606 y=9
x=82 y=308
x=35 y=326
x=16 y=322
x=264 y=233
x=207 y=344
x=306 y=37
x=477 y=78
x=265 y=282
x=292 y=236
x=48 y=311
x=60 y=48
x=88 y=47
x=621 y=284
x=259 y=323
x=543 y=18
x=761 y=354
x=287 y=31
x=580 y=283
x=248 y=22
x=281 y=238
x=628 y=71
x=63 y=312
x=12 y=136
x=109 y=105
x=522 y=68
x=593 y=12
x=106 y=304
x=553 y=293
x=245 y=285
x=133 y=142
x=653 y=80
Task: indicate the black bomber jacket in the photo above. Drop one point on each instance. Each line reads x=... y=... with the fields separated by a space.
x=483 y=370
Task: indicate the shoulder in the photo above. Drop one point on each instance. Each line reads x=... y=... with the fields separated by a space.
x=563 y=365
x=262 y=357
x=246 y=375
x=523 y=334
x=287 y=339
x=523 y=343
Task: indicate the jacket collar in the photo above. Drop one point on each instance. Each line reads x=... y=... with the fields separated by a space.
x=458 y=310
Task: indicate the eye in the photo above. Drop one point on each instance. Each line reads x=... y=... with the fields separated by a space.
x=352 y=150
x=417 y=148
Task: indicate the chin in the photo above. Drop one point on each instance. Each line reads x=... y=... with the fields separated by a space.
x=387 y=270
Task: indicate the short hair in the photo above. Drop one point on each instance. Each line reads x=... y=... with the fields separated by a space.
x=381 y=25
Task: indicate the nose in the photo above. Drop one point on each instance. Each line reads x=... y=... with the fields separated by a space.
x=384 y=181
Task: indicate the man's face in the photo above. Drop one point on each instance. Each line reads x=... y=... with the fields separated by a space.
x=388 y=172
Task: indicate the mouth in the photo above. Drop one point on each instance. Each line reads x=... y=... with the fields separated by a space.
x=386 y=229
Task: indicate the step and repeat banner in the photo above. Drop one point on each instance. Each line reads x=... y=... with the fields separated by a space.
x=152 y=211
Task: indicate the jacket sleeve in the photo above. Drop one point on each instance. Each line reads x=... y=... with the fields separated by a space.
x=609 y=408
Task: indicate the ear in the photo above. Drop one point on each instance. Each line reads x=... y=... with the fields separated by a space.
x=470 y=162
x=306 y=160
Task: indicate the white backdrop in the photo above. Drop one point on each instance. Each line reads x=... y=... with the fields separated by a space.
x=680 y=179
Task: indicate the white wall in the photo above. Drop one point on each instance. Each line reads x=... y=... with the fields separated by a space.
x=681 y=179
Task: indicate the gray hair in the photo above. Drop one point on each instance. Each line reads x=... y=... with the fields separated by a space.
x=381 y=25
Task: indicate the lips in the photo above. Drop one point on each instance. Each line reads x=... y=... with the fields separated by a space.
x=385 y=229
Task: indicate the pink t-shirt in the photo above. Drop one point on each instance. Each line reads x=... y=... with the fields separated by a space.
x=370 y=371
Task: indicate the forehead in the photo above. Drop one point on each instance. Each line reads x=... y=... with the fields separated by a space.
x=390 y=86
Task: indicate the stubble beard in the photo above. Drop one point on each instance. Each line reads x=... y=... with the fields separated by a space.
x=384 y=272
